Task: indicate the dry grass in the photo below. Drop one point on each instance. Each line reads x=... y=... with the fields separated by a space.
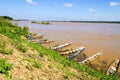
x=24 y=66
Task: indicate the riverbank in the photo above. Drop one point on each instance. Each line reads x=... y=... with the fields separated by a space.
x=38 y=61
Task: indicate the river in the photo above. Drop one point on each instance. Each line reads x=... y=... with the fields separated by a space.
x=95 y=37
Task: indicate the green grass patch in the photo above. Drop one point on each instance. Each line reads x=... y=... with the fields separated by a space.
x=6 y=51
x=3 y=49
x=37 y=64
x=21 y=47
x=4 y=66
x=33 y=62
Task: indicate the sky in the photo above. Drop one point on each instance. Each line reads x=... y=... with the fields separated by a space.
x=62 y=10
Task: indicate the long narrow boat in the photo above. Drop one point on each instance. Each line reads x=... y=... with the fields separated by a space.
x=38 y=40
x=73 y=55
x=70 y=51
x=35 y=36
x=90 y=58
x=113 y=67
x=48 y=42
x=61 y=46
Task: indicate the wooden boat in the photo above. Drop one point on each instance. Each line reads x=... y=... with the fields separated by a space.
x=113 y=67
x=42 y=41
x=70 y=51
x=39 y=41
x=73 y=55
x=48 y=42
x=90 y=58
x=36 y=37
x=61 y=46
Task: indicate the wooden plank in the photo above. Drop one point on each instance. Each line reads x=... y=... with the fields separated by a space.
x=73 y=55
x=90 y=58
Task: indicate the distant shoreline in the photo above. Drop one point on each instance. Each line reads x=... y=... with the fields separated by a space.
x=118 y=22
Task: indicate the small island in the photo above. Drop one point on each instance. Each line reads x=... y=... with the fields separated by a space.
x=45 y=23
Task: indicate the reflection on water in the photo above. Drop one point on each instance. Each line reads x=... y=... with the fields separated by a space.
x=94 y=36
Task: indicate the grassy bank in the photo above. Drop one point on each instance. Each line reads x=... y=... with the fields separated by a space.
x=30 y=61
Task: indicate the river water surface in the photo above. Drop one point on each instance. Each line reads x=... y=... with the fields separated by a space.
x=95 y=37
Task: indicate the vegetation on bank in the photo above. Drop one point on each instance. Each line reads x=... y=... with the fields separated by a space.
x=6 y=18
x=33 y=57
x=46 y=23
x=4 y=66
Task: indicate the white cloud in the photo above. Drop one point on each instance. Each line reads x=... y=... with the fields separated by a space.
x=68 y=5
x=92 y=9
x=114 y=3
x=31 y=1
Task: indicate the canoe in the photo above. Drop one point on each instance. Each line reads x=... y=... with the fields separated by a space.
x=73 y=55
x=61 y=46
x=113 y=67
x=70 y=51
x=90 y=58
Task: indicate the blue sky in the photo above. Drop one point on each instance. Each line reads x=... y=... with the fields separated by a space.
x=84 y=10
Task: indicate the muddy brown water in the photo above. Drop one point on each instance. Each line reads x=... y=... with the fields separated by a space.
x=95 y=37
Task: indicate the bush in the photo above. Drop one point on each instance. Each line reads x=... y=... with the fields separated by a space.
x=2 y=46
x=2 y=43
x=21 y=47
x=6 y=17
x=25 y=28
x=8 y=51
x=3 y=49
x=4 y=66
